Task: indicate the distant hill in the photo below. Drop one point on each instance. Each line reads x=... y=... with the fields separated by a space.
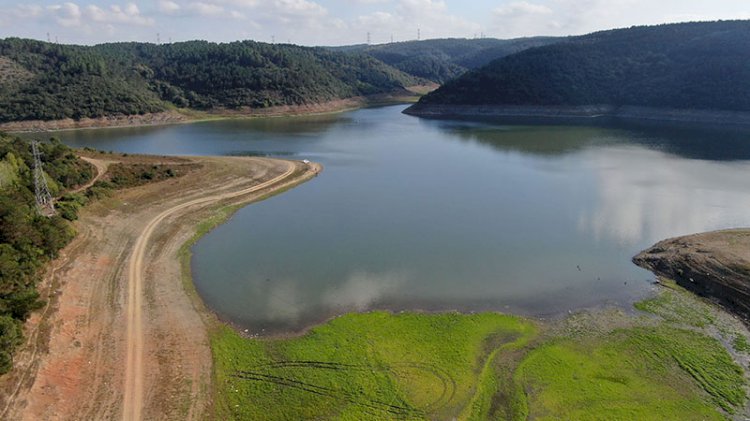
x=440 y=60
x=690 y=66
x=43 y=81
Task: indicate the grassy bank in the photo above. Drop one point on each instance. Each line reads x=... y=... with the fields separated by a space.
x=489 y=366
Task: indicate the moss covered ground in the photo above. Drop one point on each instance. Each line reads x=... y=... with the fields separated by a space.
x=363 y=366
x=413 y=366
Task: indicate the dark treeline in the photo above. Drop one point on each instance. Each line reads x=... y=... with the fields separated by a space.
x=27 y=239
x=440 y=60
x=683 y=66
x=46 y=81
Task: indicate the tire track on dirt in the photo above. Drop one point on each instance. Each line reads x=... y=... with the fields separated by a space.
x=133 y=394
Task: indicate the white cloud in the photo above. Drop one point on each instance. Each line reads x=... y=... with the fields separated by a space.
x=66 y=14
x=331 y=22
x=206 y=9
x=299 y=8
x=574 y=17
x=522 y=8
x=129 y=15
x=168 y=6
x=28 y=11
x=236 y=15
x=430 y=17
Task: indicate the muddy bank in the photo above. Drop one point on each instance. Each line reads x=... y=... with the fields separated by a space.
x=581 y=113
x=714 y=265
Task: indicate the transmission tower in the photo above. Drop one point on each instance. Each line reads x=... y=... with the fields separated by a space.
x=41 y=190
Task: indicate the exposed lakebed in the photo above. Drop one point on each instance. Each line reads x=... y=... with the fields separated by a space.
x=444 y=215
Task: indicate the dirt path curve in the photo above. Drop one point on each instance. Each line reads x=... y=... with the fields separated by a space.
x=101 y=169
x=133 y=401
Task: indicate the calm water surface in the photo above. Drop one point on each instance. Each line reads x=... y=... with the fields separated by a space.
x=442 y=215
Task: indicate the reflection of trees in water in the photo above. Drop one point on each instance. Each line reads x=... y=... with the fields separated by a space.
x=281 y=126
x=687 y=141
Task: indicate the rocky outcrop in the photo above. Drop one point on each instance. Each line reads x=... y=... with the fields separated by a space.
x=714 y=265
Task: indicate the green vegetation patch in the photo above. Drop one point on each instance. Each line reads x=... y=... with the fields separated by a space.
x=133 y=175
x=639 y=373
x=363 y=366
x=740 y=344
x=676 y=305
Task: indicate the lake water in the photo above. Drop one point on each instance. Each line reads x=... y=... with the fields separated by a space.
x=449 y=215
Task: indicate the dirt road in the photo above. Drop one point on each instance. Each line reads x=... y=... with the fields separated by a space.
x=124 y=337
x=133 y=401
x=101 y=168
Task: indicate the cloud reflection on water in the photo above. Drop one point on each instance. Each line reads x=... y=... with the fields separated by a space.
x=287 y=303
x=661 y=196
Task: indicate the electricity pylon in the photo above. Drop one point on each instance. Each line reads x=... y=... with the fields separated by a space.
x=44 y=202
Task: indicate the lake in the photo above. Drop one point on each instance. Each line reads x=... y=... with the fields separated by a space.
x=413 y=214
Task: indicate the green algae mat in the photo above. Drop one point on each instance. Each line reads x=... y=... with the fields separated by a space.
x=412 y=366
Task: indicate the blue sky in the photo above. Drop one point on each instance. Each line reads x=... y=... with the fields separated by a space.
x=338 y=22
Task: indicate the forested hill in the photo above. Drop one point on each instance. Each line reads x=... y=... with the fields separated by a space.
x=440 y=60
x=698 y=66
x=43 y=81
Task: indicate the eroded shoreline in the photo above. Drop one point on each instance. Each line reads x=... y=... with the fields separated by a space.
x=186 y=116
